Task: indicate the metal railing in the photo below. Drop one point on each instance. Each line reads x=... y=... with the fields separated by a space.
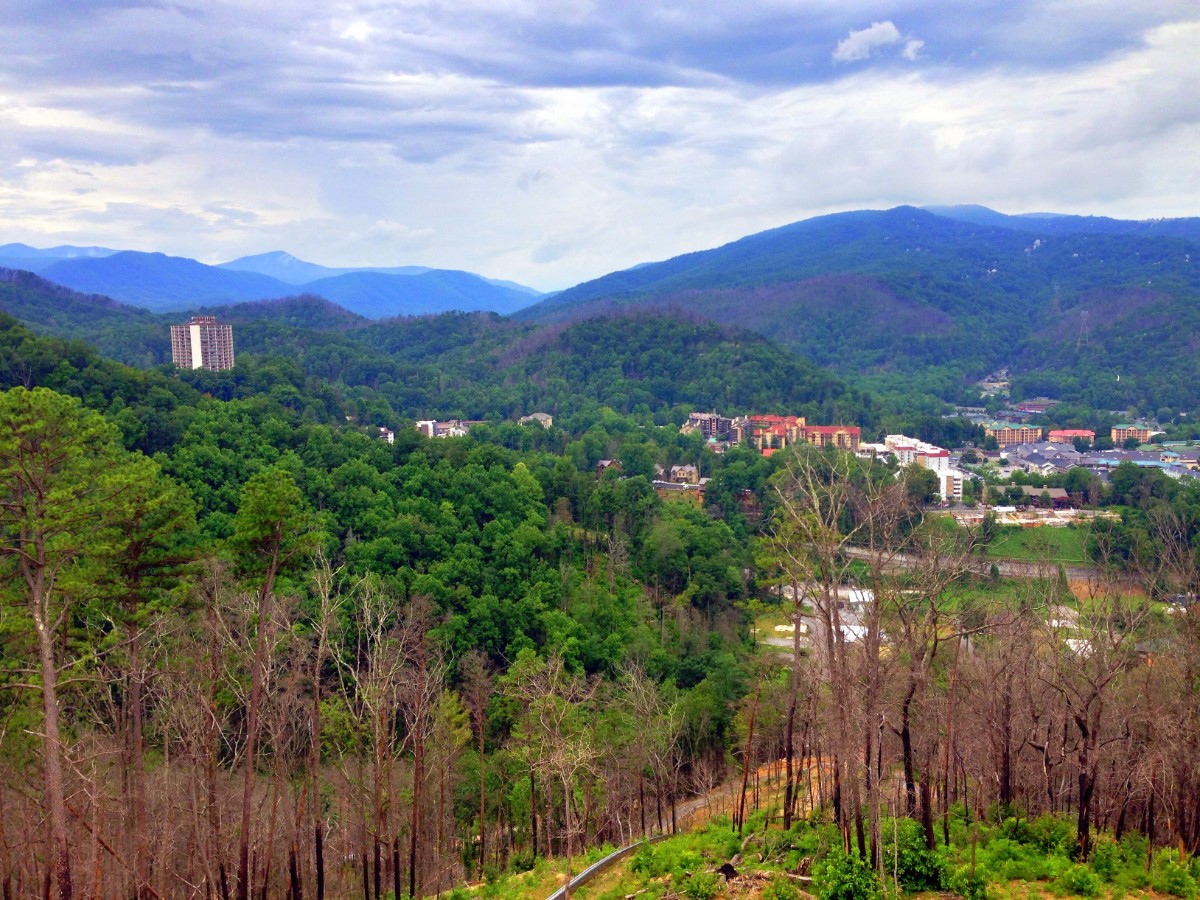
x=603 y=865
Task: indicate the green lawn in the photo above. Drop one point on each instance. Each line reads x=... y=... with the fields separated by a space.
x=1059 y=545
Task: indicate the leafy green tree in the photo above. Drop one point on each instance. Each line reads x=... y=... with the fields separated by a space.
x=65 y=493
x=921 y=485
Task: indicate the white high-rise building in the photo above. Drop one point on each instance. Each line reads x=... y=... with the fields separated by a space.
x=202 y=344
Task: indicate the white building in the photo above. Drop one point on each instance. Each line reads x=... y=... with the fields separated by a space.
x=910 y=451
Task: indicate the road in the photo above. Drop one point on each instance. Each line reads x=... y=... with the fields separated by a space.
x=982 y=565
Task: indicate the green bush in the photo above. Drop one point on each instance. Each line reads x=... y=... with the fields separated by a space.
x=1106 y=859
x=1008 y=860
x=681 y=863
x=1134 y=847
x=1172 y=878
x=917 y=868
x=780 y=889
x=966 y=885
x=646 y=862
x=1079 y=880
x=521 y=862
x=841 y=876
x=1018 y=830
x=1054 y=834
x=701 y=886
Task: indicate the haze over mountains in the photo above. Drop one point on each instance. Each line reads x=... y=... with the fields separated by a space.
x=162 y=283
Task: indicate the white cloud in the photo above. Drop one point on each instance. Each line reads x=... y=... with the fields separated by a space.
x=912 y=49
x=861 y=44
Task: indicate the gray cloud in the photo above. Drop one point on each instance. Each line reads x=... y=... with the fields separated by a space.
x=484 y=135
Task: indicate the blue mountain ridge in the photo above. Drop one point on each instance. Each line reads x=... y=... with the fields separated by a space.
x=163 y=283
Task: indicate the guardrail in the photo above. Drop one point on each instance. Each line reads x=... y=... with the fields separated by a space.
x=603 y=865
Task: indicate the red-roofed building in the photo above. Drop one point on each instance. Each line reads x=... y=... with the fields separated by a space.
x=776 y=432
x=1068 y=435
x=844 y=437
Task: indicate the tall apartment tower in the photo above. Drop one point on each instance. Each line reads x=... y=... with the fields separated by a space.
x=202 y=344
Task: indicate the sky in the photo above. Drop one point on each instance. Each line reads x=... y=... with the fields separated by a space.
x=553 y=141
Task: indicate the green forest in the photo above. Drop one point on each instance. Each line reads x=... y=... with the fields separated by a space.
x=253 y=649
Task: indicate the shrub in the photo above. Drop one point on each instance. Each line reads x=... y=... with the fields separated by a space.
x=1106 y=859
x=646 y=862
x=1004 y=849
x=917 y=868
x=780 y=889
x=1134 y=847
x=682 y=864
x=1053 y=834
x=1079 y=880
x=1172 y=878
x=521 y=862
x=701 y=886
x=971 y=887
x=1017 y=830
x=842 y=876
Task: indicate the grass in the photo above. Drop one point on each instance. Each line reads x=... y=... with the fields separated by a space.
x=1017 y=859
x=1065 y=546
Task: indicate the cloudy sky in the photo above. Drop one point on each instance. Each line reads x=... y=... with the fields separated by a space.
x=551 y=141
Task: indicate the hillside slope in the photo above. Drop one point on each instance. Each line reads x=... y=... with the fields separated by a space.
x=904 y=290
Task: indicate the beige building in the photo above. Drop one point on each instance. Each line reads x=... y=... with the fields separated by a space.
x=1007 y=435
x=202 y=344
x=1122 y=433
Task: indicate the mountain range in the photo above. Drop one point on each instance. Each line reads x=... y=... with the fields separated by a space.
x=163 y=283
x=1102 y=311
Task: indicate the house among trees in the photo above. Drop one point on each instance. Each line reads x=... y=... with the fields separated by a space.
x=538 y=418
x=605 y=464
x=1048 y=496
x=685 y=474
x=453 y=428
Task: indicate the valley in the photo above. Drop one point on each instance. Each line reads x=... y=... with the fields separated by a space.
x=291 y=636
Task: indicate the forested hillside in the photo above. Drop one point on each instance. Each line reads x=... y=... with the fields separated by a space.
x=897 y=293
x=476 y=366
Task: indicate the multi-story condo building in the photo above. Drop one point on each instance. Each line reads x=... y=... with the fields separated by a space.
x=203 y=343
x=710 y=424
x=843 y=437
x=1006 y=434
x=1068 y=435
x=1122 y=433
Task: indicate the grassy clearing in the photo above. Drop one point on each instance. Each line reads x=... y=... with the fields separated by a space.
x=1065 y=546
